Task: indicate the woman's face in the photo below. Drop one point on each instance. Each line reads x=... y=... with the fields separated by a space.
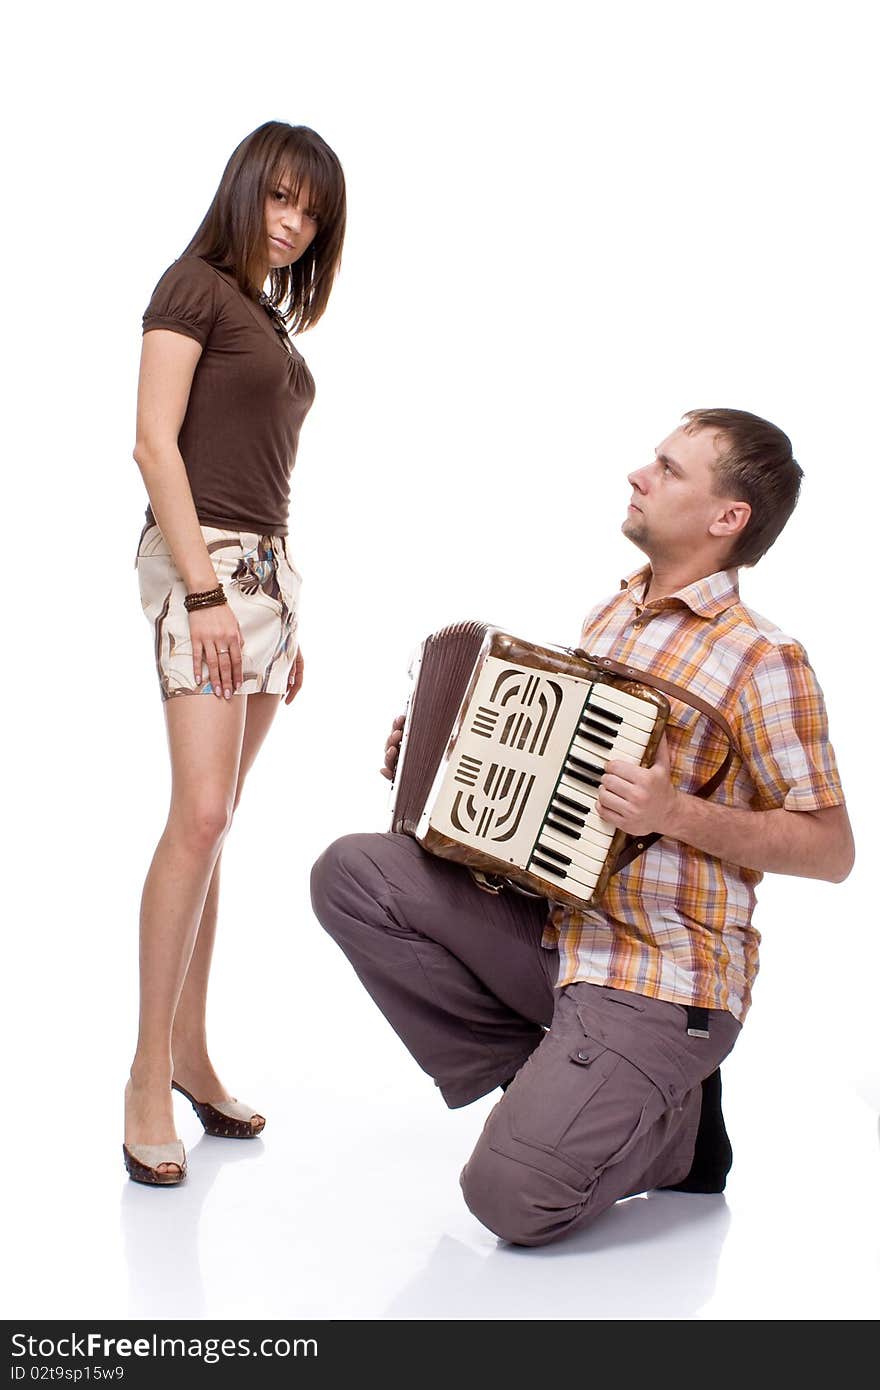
x=290 y=226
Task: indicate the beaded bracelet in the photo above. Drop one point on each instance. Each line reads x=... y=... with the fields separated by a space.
x=206 y=598
x=204 y=603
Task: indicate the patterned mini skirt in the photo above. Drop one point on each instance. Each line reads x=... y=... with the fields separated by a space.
x=262 y=589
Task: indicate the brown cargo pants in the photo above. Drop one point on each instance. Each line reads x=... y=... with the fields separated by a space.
x=605 y=1103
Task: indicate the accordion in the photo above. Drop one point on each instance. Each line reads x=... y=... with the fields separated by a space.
x=502 y=754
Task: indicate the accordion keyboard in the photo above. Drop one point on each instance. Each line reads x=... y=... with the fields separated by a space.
x=573 y=841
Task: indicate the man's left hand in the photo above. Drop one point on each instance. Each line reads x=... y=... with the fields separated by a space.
x=639 y=800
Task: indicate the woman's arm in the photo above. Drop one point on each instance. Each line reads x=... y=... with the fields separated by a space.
x=168 y=364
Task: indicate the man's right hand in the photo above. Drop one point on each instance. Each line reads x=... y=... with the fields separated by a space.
x=392 y=747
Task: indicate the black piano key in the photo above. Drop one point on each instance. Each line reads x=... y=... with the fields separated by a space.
x=553 y=853
x=567 y=815
x=594 y=738
x=553 y=869
x=570 y=801
x=587 y=767
x=604 y=713
x=598 y=724
x=563 y=829
x=579 y=777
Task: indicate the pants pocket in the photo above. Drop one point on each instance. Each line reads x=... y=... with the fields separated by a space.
x=290 y=583
x=157 y=578
x=290 y=564
x=554 y=1114
x=150 y=543
x=585 y=1098
x=645 y=1051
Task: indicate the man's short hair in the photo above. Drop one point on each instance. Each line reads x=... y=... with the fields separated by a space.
x=755 y=465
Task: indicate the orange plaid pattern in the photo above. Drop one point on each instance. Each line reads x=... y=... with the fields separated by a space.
x=676 y=924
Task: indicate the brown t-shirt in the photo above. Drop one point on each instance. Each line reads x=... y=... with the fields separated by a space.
x=250 y=394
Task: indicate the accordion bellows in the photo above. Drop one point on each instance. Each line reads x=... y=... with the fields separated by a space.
x=504 y=745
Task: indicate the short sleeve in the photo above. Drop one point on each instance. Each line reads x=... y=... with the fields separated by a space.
x=184 y=300
x=783 y=732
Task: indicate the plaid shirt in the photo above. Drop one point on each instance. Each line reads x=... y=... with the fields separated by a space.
x=676 y=923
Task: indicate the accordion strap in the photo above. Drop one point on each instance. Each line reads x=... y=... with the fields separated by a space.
x=638 y=844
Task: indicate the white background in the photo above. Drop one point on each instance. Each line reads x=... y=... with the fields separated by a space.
x=568 y=224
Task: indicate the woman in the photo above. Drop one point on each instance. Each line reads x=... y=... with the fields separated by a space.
x=221 y=396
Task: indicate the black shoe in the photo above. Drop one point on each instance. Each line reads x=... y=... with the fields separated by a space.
x=713 y=1155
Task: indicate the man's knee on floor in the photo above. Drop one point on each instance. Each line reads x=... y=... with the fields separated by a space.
x=519 y=1203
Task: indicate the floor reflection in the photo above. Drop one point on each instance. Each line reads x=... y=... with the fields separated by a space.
x=160 y=1231
x=648 y=1257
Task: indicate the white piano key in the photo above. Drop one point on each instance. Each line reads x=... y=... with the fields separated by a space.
x=624 y=699
x=572 y=816
x=630 y=728
x=591 y=834
x=577 y=826
x=642 y=722
x=638 y=712
x=585 y=763
x=576 y=789
x=592 y=823
x=565 y=795
x=587 y=795
x=586 y=856
x=623 y=747
x=580 y=882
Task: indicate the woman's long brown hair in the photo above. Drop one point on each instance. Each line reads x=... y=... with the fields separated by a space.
x=232 y=233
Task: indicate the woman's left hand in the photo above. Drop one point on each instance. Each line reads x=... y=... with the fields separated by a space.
x=295 y=678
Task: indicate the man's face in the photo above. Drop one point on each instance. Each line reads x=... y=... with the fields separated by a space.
x=673 y=500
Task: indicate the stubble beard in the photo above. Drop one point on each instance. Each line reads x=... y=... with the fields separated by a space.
x=635 y=530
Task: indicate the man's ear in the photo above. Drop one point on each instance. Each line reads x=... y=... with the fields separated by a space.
x=732 y=521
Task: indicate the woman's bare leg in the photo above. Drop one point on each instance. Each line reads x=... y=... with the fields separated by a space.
x=205 y=738
x=189 y=1046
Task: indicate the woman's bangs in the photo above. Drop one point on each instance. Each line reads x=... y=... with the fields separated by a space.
x=296 y=167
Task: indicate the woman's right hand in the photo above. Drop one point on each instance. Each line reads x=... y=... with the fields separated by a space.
x=217 y=640
x=392 y=747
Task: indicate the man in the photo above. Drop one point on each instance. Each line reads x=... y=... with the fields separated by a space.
x=643 y=996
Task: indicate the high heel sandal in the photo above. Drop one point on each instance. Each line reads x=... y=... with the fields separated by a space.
x=227 y=1119
x=143 y=1160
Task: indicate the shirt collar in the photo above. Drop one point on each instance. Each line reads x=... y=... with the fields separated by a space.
x=706 y=598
